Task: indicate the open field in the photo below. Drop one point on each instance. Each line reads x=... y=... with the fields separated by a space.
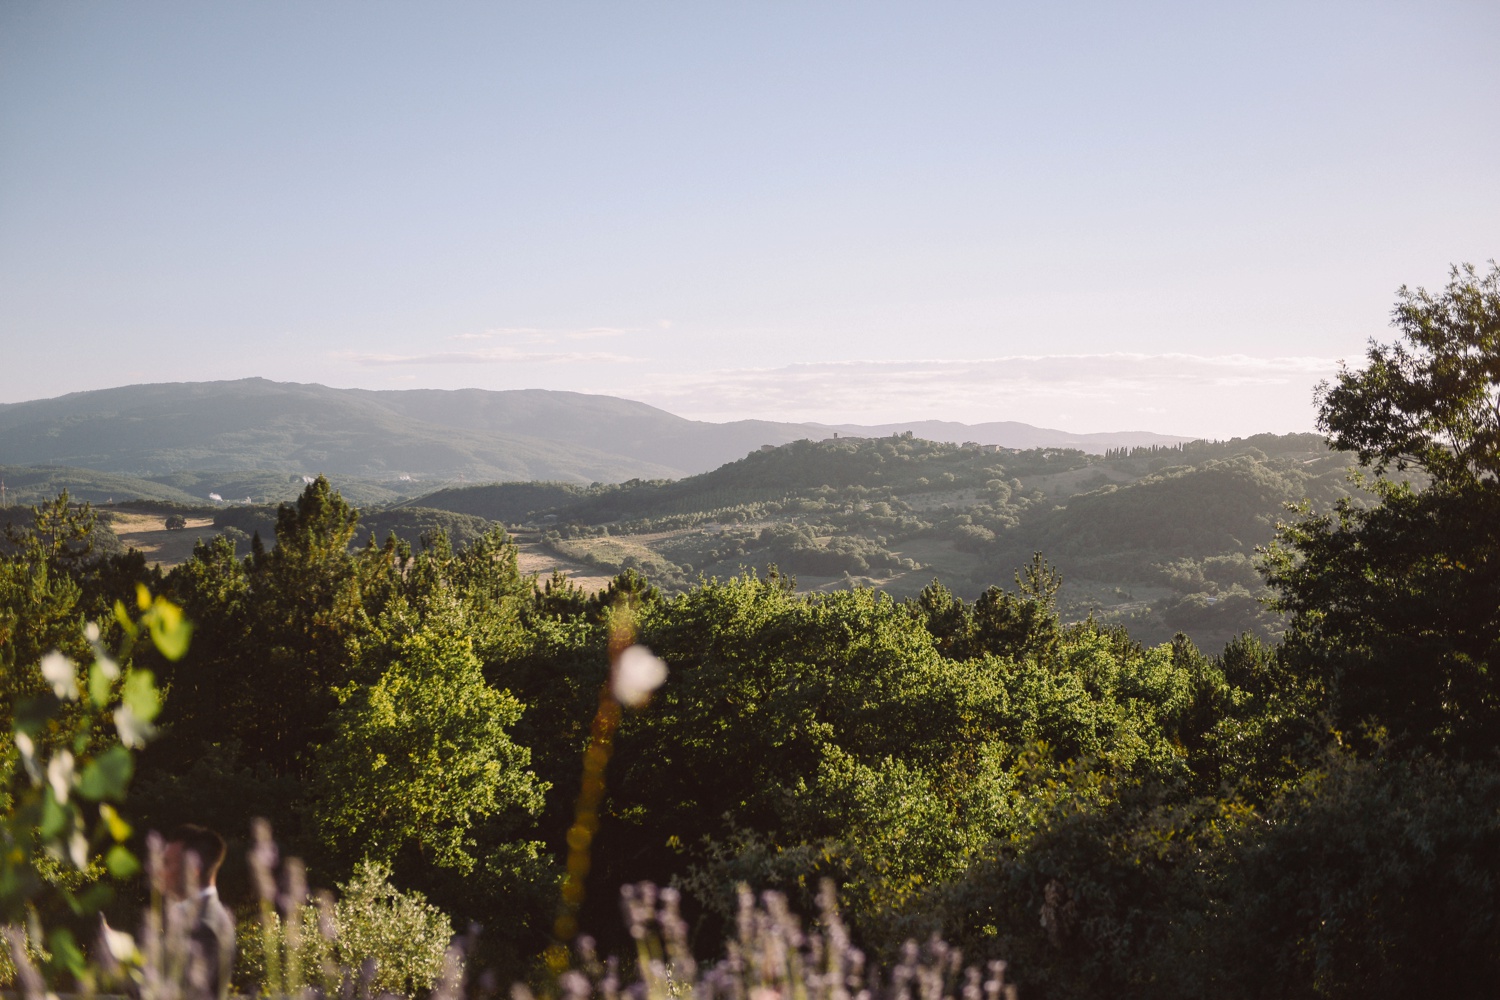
x=148 y=533
x=1073 y=481
x=533 y=557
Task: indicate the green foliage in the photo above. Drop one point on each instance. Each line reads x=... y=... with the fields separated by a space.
x=62 y=840
x=400 y=936
x=421 y=754
x=999 y=623
x=40 y=597
x=1393 y=613
x=1393 y=607
x=415 y=526
x=1362 y=878
x=1374 y=879
x=1429 y=401
x=802 y=737
x=339 y=691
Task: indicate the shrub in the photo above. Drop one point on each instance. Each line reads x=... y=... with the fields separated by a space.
x=401 y=935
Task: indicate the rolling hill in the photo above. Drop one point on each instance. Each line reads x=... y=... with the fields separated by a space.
x=153 y=431
x=26 y=485
x=1159 y=538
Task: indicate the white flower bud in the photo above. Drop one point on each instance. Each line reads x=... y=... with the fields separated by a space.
x=60 y=775
x=638 y=672
x=61 y=674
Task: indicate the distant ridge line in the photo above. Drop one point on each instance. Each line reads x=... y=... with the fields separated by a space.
x=478 y=434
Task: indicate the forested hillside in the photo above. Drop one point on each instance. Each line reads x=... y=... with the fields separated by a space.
x=1164 y=539
x=33 y=484
x=286 y=428
x=1161 y=538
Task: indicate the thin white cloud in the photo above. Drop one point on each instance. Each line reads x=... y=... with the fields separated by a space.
x=538 y=335
x=485 y=356
x=595 y=332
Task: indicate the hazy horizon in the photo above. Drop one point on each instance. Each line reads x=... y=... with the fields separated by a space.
x=1085 y=217
x=899 y=419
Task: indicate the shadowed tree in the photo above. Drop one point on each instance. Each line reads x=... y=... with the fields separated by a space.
x=1396 y=608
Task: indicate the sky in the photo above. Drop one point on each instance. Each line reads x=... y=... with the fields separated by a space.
x=1089 y=216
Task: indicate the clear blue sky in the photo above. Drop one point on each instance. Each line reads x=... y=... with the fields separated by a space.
x=1091 y=216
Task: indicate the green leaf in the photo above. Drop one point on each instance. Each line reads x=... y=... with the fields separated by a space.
x=107 y=775
x=92 y=899
x=55 y=817
x=140 y=695
x=99 y=686
x=121 y=863
x=123 y=617
x=169 y=629
x=118 y=828
x=65 y=951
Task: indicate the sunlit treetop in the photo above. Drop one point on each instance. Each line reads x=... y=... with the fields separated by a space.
x=1432 y=399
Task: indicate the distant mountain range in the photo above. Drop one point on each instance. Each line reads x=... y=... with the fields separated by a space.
x=473 y=434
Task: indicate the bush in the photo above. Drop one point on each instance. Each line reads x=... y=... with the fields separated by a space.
x=403 y=935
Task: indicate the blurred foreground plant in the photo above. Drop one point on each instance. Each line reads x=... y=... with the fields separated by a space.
x=61 y=832
x=770 y=957
x=377 y=941
x=635 y=672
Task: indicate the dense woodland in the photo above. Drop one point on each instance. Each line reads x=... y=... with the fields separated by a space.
x=1314 y=816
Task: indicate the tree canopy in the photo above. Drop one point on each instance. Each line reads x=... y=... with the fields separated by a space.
x=1432 y=398
x=1396 y=607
